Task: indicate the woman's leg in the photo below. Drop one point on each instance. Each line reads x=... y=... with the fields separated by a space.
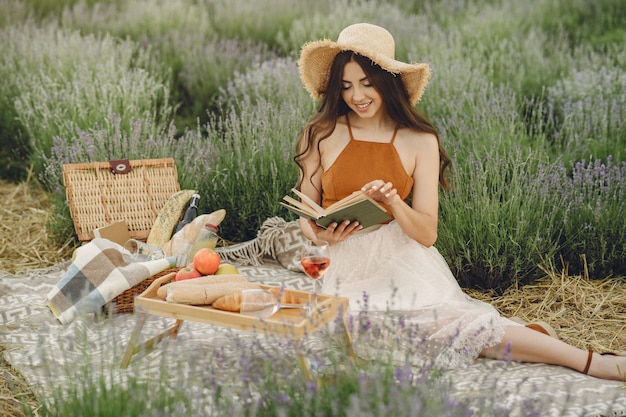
x=527 y=345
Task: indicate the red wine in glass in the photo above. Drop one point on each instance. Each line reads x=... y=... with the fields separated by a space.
x=315 y=267
x=315 y=262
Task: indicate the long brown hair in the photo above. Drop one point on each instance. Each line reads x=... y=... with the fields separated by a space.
x=332 y=106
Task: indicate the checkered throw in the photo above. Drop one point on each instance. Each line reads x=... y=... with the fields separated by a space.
x=101 y=271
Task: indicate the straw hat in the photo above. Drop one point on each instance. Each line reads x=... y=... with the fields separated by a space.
x=365 y=39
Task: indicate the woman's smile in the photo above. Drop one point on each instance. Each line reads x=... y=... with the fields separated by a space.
x=363 y=107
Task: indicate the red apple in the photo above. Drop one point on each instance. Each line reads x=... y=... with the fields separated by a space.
x=206 y=261
x=187 y=273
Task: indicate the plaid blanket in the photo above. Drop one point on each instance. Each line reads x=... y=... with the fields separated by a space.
x=101 y=270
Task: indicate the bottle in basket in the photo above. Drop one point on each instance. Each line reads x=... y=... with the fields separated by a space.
x=190 y=214
x=207 y=238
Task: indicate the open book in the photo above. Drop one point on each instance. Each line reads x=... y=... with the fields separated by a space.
x=355 y=207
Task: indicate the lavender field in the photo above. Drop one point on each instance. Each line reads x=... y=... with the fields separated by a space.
x=529 y=98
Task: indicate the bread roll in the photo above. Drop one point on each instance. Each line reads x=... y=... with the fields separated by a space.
x=286 y=296
x=229 y=302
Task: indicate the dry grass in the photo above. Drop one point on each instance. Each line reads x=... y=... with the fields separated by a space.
x=23 y=238
x=14 y=392
x=584 y=312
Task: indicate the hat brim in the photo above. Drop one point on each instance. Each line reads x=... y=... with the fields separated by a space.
x=317 y=57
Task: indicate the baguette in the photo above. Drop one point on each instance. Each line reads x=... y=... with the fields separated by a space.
x=209 y=279
x=168 y=217
x=204 y=294
x=232 y=301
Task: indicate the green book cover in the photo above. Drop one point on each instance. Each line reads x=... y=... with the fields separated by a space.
x=366 y=211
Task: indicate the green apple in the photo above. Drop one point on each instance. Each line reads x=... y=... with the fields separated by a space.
x=226 y=268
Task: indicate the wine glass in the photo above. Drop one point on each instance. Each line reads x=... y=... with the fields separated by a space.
x=260 y=303
x=315 y=260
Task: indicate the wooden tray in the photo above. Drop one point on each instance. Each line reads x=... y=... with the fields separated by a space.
x=292 y=322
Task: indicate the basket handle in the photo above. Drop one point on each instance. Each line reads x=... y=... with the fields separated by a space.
x=152 y=289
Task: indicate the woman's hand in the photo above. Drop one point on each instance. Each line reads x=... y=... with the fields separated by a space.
x=381 y=191
x=335 y=232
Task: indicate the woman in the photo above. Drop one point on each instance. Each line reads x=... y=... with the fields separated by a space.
x=367 y=135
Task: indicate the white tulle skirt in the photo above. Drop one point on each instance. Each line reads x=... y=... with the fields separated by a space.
x=390 y=277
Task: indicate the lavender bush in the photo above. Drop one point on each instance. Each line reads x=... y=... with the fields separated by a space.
x=589 y=123
x=64 y=81
x=241 y=19
x=252 y=146
x=144 y=21
x=206 y=66
x=495 y=209
x=186 y=41
x=512 y=93
x=12 y=11
x=591 y=198
x=596 y=24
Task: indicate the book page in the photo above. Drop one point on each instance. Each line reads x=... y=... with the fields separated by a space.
x=353 y=198
x=306 y=199
x=300 y=205
x=299 y=212
x=354 y=207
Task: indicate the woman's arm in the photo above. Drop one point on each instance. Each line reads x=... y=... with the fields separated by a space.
x=418 y=221
x=335 y=232
x=311 y=186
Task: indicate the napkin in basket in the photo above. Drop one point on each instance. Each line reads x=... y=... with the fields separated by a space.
x=101 y=271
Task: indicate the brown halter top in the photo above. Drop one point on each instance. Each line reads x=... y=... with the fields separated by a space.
x=360 y=162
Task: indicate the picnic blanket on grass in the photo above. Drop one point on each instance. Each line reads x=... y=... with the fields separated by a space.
x=35 y=342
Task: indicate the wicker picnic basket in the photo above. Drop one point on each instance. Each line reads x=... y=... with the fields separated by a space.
x=125 y=302
x=97 y=196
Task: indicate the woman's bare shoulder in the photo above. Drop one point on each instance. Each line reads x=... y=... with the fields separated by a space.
x=415 y=140
x=340 y=127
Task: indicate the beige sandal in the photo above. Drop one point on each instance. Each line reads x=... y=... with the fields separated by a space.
x=539 y=326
